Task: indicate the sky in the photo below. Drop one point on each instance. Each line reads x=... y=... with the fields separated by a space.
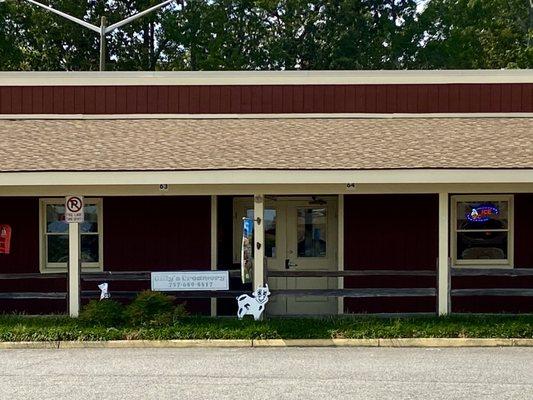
x=421 y=4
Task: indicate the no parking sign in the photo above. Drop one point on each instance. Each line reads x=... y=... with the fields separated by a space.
x=74 y=209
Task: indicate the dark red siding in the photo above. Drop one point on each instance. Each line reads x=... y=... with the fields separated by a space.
x=164 y=233
x=157 y=233
x=393 y=232
x=149 y=233
x=23 y=216
x=523 y=230
x=264 y=99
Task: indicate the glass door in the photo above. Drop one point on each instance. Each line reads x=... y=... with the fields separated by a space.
x=312 y=246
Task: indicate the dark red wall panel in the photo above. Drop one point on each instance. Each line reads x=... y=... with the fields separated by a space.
x=167 y=233
x=23 y=216
x=381 y=230
x=396 y=232
x=265 y=99
x=523 y=231
x=148 y=233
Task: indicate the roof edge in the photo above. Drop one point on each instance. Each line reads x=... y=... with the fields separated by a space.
x=264 y=77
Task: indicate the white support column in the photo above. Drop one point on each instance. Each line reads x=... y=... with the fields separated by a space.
x=340 y=250
x=443 y=263
x=74 y=269
x=259 y=241
x=214 y=247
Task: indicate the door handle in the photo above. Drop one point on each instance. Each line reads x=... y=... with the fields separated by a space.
x=288 y=264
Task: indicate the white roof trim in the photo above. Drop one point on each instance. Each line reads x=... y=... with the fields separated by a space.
x=264 y=177
x=264 y=77
x=258 y=116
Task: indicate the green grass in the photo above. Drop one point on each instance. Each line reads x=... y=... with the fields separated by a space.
x=54 y=328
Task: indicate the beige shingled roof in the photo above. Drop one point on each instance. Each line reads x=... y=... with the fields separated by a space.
x=288 y=144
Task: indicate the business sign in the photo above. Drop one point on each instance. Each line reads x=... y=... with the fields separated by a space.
x=482 y=213
x=74 y=209
x=190 y=280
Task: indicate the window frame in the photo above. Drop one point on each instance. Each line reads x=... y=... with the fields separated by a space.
x=481 y=264
x=48 y=268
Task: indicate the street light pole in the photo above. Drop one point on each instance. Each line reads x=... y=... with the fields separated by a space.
x=103 y=51
x=103 y=29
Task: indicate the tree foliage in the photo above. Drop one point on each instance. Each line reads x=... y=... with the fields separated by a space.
x=466 y=34
x=271 y=34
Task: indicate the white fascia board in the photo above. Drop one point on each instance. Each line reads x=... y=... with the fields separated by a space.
x=264 y=77
x=266 y=177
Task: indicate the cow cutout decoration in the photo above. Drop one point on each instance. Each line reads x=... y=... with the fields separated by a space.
x=104 y=287
x=254 y=304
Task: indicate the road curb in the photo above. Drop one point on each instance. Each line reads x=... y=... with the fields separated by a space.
x=269 y=343
x=28 y=345
x=316 y=343
x=140 y=344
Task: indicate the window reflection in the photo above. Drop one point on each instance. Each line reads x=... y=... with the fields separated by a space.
x=270 y=230
x=311 y=232
x=57 y=234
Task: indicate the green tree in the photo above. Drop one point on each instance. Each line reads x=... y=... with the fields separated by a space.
x=44 y=41
x=10 y=51
x=221 y=35
x=344 y=34
x=271 y=34
x=466 y=34
x=35 y=39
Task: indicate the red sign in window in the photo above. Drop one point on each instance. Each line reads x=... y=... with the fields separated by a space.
x=5 y=239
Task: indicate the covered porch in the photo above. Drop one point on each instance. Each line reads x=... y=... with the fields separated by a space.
x=352 y=214
x=375 y=248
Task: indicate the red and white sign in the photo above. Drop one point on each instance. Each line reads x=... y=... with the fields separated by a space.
x=5 y=239
x=74 y=209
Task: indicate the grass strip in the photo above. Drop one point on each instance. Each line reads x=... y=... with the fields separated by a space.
x=14 y=328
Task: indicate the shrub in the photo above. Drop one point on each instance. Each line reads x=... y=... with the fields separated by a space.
x=103 y=313
x=180 y=312
x=150 y=307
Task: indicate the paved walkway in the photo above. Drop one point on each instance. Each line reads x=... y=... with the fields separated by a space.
x=294 y=373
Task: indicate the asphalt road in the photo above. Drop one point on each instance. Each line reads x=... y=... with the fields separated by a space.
x=296 y=373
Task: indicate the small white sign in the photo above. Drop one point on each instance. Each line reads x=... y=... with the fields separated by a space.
x=254 y=304
x=74 y=209
x=190 y=280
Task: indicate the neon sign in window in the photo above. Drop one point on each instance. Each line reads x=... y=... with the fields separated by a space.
x=482 y=213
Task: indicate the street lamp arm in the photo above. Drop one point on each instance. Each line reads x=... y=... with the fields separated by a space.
x=134 y=17
x=69 y=17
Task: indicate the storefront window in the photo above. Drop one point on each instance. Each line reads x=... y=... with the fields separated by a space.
x=55 y=251
x=482 y=230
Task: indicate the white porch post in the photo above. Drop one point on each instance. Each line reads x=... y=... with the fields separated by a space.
x=74 y=270
x=259 y=241
x=214 y=247
x=443 y=264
